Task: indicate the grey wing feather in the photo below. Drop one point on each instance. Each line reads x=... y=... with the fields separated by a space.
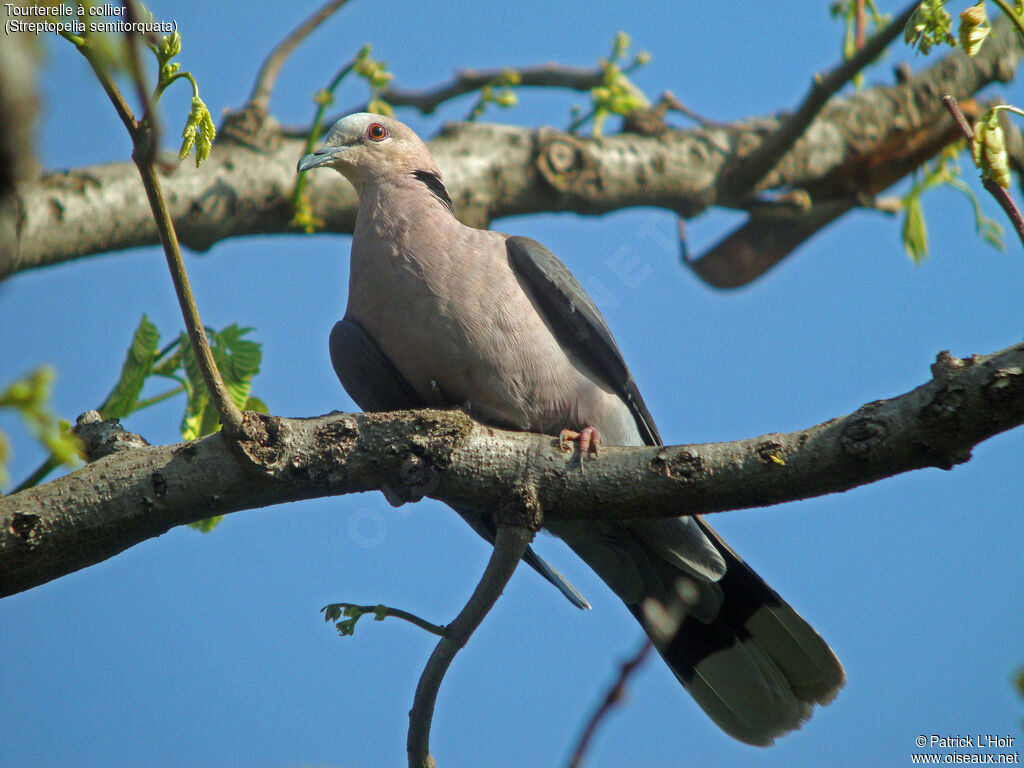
x=366 y=373
x=376 y=385
x=578 y=323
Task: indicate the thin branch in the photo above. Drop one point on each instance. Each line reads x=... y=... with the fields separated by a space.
x=158 y=398
x=138 y=78
x=1001 y=195
x=427 y=100
x=860 y=24
x=1007 y=9
x=228 y=413
x=468 y=80
x=669 y=101
x=132 y=495
x=142 y=153
x=613 y=697
x=264 y=85
x=752 y=168
x=353 y=613
x=509 y=546
x=662 y=622
x=106 y=82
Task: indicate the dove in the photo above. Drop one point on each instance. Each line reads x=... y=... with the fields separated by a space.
x=441 y=314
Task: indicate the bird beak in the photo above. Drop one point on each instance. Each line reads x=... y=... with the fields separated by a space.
x=318 y=157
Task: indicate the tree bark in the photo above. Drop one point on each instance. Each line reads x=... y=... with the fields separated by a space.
x=493 y=171
x=139 y=492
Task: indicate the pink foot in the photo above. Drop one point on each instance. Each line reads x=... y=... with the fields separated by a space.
x=588 y=439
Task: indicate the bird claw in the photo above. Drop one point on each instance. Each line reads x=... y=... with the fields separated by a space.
x=588 y=439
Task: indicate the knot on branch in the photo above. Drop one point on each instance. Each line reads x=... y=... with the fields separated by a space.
x=647 y=121
x=253 y=127
x=262 y=444
x=1005 y=385
x=332 y=442
x=24 y=525
x=947 y=365
x=567 y=165
x=103 y=437
x=522 y=509
x=417 y=474
x=770 y=452
x=419 y=463
x=943 y=410
x=679 y=464
x=863 y=434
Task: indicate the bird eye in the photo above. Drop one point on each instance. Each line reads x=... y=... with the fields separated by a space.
x=376 y=132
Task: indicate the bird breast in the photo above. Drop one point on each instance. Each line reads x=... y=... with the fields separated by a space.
x=448 y=310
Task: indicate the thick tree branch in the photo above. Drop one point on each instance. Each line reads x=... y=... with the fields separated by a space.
x=509 y=546
x=494 y=171
x=129 y=496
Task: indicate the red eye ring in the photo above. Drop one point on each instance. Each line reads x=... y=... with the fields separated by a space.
x=376 y=132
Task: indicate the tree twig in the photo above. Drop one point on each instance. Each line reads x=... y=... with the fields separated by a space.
x=860 y=24
x=264 y=85
x=468 y=80
x=613 y=697
x=662 y=622
x=135 y=65
x=142 y=137
x=228 y=413
x=509 y=546
x=750 y=169
x=1001 y=195
x=1014 y=17
x=353 y=613
x=427 y=100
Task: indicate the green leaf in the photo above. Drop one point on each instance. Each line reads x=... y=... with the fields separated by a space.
x=331 y=612
x=974 y=28
x=138 y=364
x=944 y=170
x=255 y=404
x=238 y=360
x=5 y=456
x=930 y=25
x=988 y=230
x=197 y=398
x=207 y=525
x=989 y=149
x=199 y=131
x=915 y=232
x=30 y=397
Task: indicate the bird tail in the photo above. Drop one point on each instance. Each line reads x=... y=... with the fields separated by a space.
x=749 y=660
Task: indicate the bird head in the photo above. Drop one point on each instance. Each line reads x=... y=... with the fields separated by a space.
x=364 y=146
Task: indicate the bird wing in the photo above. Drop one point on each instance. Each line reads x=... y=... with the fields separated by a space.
x=578 y=324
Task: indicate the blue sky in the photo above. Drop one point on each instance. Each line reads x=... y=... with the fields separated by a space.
x=209 y=650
